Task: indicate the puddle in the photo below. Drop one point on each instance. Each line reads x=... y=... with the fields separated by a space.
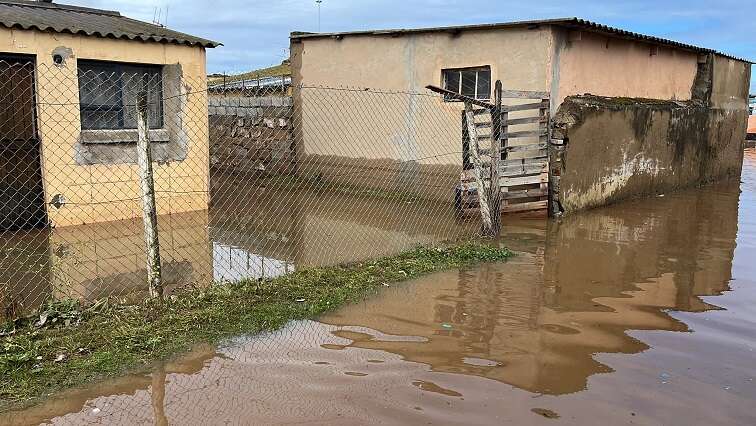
x=639 y=313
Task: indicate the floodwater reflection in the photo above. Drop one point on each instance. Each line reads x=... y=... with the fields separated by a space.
x=539 y=319
x=249 y=231
x=639 y=313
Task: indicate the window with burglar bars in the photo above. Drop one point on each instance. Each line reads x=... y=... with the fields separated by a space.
x=473 y=82
x=108 y=94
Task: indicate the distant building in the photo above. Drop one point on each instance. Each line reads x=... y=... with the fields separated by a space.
x=68 y=132
x=275 y=79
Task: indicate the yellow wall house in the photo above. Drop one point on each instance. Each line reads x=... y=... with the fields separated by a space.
x=70 y=80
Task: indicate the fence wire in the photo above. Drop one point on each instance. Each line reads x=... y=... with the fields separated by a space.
x=250 y=182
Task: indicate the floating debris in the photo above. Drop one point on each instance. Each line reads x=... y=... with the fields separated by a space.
x=545 y=413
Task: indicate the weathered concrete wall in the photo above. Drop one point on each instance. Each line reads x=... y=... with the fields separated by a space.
x=109 y=190
x=616 y=148
x=596 y=64
x=730 y=83
x=252 y=135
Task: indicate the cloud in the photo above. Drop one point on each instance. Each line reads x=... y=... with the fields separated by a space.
x=255 y=32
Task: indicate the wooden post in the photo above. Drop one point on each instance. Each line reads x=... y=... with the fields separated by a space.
x=149 y=212
x=498 y=124
x=485 y=211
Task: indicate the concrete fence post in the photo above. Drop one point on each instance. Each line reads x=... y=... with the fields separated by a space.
x=149 y=211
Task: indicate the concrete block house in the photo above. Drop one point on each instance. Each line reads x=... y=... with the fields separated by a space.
x=633 y=114
x=70 y=77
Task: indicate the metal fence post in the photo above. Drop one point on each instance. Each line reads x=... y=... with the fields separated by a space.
x=149 y=211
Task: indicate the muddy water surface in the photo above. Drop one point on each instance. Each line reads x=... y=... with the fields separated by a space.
x=641 y=313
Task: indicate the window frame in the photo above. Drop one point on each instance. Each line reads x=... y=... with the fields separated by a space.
x=119 y=69
x=478 y=70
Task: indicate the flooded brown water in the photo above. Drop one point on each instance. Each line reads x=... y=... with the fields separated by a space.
x=250 y=231
x=639 y=313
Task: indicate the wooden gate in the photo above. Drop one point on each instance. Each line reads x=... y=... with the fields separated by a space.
x=524 y=171
x=519 y=160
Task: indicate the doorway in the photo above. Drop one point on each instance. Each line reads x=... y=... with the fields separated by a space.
x=22 y=200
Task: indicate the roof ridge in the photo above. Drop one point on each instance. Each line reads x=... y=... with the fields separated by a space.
x=60 y=6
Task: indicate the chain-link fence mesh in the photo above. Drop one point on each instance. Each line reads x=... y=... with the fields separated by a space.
x=251 y=181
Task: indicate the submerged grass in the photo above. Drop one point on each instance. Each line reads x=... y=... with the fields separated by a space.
x=66 y=344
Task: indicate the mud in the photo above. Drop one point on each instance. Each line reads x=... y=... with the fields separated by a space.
x=639 y=313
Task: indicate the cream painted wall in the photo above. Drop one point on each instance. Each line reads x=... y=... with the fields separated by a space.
x=98 y=193
x=603 y=66
x=398 y=126
x=544 y=59
x=731 y=83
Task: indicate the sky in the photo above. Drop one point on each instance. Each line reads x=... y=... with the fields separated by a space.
x=255 y=33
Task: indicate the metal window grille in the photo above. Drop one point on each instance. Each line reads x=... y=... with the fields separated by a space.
x=108 y=92
x=473 y=82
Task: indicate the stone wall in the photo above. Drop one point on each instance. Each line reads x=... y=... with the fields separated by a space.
x=251 y=134
x=607 y=149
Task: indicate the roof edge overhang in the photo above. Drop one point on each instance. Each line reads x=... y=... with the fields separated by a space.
x=144 y=38
x=573 y=23
x=175 y=37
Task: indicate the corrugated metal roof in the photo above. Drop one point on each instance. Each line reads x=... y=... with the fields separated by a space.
x=61 y=18
x=572 y=23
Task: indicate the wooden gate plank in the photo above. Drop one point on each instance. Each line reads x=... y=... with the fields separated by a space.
x=524 y=180
x=526 y=120
x=528 y=147
x=525 y=193
x=535 y=205
x=525 y=107
x=524 y=94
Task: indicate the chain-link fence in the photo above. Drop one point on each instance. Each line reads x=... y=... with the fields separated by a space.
x=250 y=181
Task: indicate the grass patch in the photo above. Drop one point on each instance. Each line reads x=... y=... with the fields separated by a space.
x=66 y=344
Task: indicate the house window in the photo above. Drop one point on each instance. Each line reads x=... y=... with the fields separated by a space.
x=108 y=94
x=472 y=82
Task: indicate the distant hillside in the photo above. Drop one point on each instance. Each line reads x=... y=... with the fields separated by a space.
x=277 y=70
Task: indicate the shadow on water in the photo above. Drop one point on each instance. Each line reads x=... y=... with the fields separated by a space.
x=605 y=316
